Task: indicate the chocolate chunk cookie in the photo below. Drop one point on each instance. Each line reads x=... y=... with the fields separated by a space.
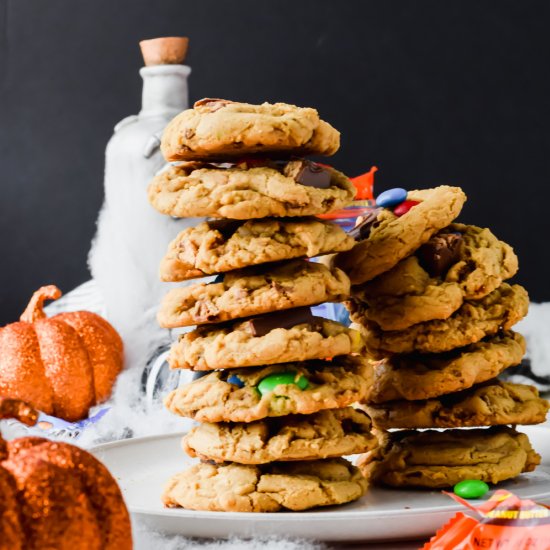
x=436 y=460
x=223 y=245
x=461 y=262
x=424 y=376
x=235 y=395
x=253 y=291
x=268 y=488
x=474 y=320
x=490 y=404
x=290 y=335
x=390 y=238
x=195 y=189
x=326 y=434
x=222 y=129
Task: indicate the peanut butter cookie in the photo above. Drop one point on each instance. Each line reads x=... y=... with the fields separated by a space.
x=436 y=460
x=221 y=129
x=490 y=404
x=241 y=192
x=474 y=320
x=281 y=337
x=223 y=245
x=245 y=395
x=424 y=376
x=386 y=238
x=268 y=488
x=461 y=262
x=326 y=434
x=253 y=291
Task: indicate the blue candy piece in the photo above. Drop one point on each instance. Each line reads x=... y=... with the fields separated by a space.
x=235 y=380
x=391 y=197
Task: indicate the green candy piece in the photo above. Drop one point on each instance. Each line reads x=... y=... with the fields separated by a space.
x=269 y=383
x=471 y=488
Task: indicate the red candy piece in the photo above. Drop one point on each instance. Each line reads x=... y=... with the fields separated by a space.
x=404 y=207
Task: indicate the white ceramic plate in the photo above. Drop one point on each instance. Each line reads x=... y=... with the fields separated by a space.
x=143 y=465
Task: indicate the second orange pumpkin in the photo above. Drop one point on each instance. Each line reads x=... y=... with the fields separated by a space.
x=61 y=365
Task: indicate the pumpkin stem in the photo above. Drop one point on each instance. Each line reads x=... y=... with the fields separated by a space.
x=35 y=309
x=15 y=408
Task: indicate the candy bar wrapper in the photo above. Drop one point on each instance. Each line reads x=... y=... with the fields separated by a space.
x=504 y=522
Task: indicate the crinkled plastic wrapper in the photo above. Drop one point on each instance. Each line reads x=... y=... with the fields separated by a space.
x=504 y=522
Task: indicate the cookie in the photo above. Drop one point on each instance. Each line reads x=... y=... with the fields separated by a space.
x=234 y=396
x=282 y=337
x=490 y=404
x=474 y=320
x=223 y=245
x=417 y=376
x=461 y=262
x=385 y=238
x=240 y=192
x=326 y=434
x=269 y=488
x=253 y=291
x=436 y=460
x=222 y=129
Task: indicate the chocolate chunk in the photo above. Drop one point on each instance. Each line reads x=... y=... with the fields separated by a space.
x=213 y=103
x=260 y=326
x=308 y=173
x=363 y=228
x=225 y=227
x=439 y=253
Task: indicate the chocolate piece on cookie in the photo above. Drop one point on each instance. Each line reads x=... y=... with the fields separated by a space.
x=325 y=434
x=268 y=488
x=436 y=460
x=273 y=338
x=440 y=252
x=309 y=173
x=474 y=320
x=221 y=129
x=392 y=237
x=317 y=385
x=195 y=189
x=224 y=245
x=253 y=291
x=489 y=404
x=424 y=376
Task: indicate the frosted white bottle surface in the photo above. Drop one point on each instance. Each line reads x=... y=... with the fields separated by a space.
x=131 y=236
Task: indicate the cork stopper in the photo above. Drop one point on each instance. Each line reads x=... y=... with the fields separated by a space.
x=167 y=50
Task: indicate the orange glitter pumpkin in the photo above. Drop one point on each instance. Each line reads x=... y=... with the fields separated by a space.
x=55 y=495
x=62 y=365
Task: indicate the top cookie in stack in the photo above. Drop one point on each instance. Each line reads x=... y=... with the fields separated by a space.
x=432 y=303
x=240 y=163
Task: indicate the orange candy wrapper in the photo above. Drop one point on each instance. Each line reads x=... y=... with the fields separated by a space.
x=364 y=200
x=504 y=522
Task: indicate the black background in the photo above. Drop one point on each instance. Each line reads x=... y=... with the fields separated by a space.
x=431 y=92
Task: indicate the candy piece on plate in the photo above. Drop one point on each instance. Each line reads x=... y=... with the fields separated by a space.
x=471 y=488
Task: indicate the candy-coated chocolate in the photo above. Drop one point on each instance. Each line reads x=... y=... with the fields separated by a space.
x=471 y=488
x=235 y=380
x=391 y=197
x=404 y=207
x=269 y=383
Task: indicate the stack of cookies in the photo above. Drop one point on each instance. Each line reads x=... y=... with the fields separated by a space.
x=275 y=414
x=432 y=303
